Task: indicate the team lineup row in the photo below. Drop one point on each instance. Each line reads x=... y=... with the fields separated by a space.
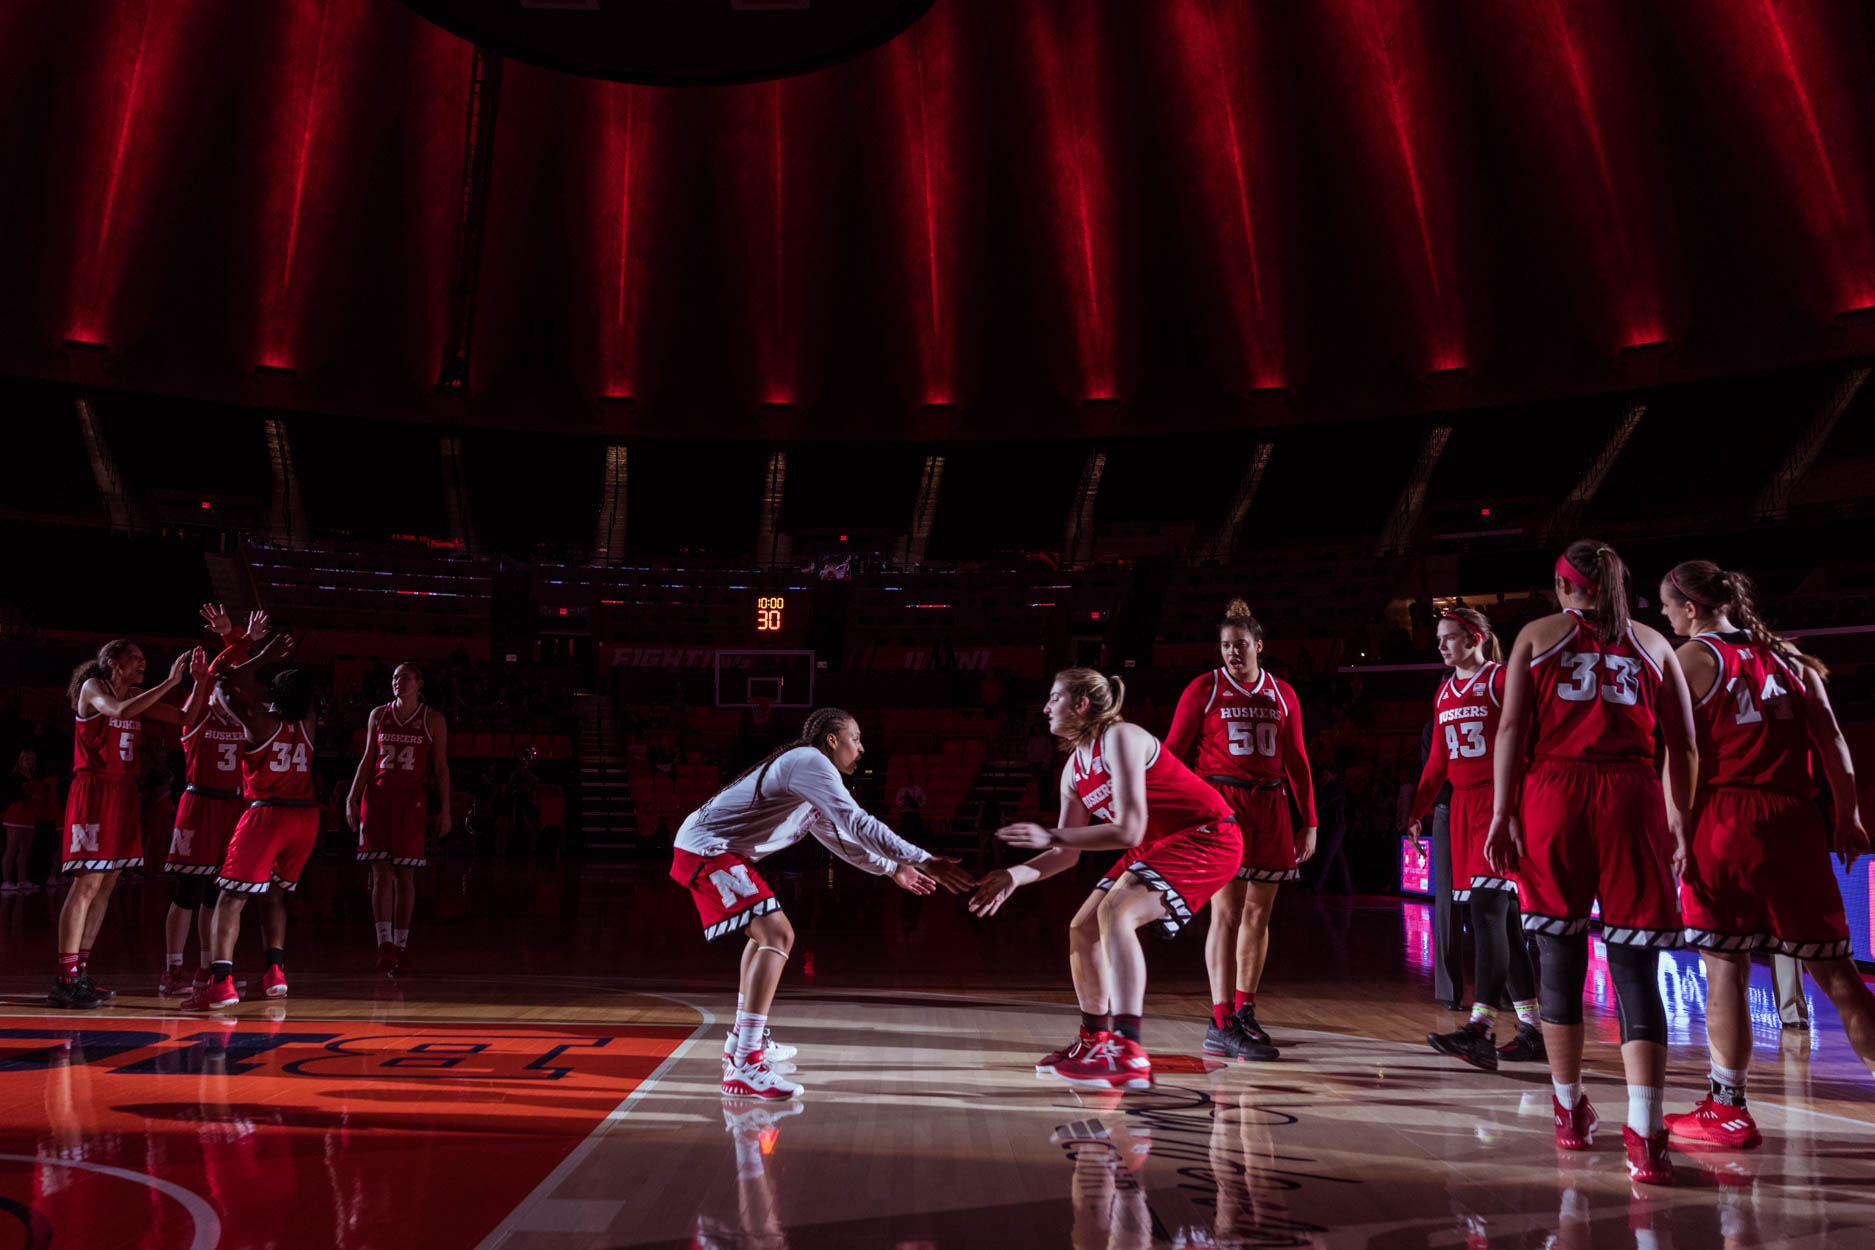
x=247 y=820
x=1597 y=765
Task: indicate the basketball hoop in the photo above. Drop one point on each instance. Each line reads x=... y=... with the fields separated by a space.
x=761 y=705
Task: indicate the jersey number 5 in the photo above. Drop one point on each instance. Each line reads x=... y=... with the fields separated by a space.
x=1252 y=739
x=1621 y=683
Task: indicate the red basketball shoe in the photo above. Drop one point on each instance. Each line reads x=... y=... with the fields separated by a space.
x=1045 y=1066
x=1717 y=1125
x=1647 y=1157
x=754 y=1077
x=400 y=964
x=176 y=982
x=387 y=959
x=1575 y=1130
x=220 y=993
x=1111 y=1062
x=274 y=983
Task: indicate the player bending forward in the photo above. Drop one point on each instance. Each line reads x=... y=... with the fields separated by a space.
x=795 y=792
x=1120 y=791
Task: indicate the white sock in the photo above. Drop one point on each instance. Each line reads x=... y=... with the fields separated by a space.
x=1735 y=1077
x=1487 y=1014
x=1527 y=1012
x=400 y=938
x=175 y=959
x=1647 y=1109
x=384 y=932
x=1568 y=1095
x=749 y=1030
x=1646 y=1239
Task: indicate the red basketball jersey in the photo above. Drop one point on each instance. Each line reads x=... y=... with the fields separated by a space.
x=1595 y=697
x=106 y=745
x=1751 y=723
x=1241 y=731
x=403 y=749
x=1176 y=799
x=280 y=769
x=1465 y=717
x=211 y=752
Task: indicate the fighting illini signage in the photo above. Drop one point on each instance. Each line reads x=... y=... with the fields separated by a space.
x=676 y=42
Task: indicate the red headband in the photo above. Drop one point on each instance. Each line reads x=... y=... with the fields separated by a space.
x=1473 y=630
x=1569 y=573
x=1685 y=593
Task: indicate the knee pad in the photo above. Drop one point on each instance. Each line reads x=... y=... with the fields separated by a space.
x=1635 y=971
x=1565 y=968
x=188 y=892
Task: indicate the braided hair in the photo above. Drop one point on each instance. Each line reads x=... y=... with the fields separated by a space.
x=820 y=723
x=1705 y=585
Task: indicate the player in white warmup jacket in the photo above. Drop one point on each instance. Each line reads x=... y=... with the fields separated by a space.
x=795 y=793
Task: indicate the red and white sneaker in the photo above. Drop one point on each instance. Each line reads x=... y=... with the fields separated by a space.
x=772 y=1050
x=400 y=963
x=176 y=982
x=274 y=983
x=1575 y=1130
x=1045 y=1066
x=387 y=959
x=1647 y=1157
x=201 y=980
x=1111 y=1062
x=1716 y=1124
x=220 y=993
x=754 y=1077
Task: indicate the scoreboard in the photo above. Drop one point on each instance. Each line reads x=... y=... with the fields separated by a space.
x=768 y=613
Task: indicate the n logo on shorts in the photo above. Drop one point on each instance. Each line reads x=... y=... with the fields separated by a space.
x=733 y=883
x=84 y=838
x=179 y=840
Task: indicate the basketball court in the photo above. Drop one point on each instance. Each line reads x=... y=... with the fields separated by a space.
x=508 y=1108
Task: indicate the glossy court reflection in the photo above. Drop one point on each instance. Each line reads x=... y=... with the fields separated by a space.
x=568 y=1112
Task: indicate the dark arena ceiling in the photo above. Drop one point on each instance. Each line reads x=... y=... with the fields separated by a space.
x=1033 y=217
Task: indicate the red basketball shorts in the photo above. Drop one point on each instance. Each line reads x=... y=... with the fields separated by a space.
x=1470 y=823
x=19 y=815
x=1760 y=879
x=1597 y=831
x=726 y=888
x=271 y=844
x=1187 y=867
x=103 y=824
x=1269 y=838
x=393 y=826
x=204 y=823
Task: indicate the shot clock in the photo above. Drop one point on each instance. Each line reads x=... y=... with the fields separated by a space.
x=768 y=610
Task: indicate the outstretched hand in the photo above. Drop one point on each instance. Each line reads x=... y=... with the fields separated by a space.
x=257 y=624
x=909 y=878
x=949 y=873
x=179 y=666
x=992 y=892
x=198 y=666
x=216 y=618
x=1026 y=833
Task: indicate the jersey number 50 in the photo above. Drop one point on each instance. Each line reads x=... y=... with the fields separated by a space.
x=1252 y=739
x=1620 y=684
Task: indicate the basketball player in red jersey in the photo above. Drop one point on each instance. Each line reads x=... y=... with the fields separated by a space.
x=275 y=835
x=210 y=805
x=1465 y=724
x=406 y=748
x=103 y=818
x=1243 y=724
x=1760 y=879
x=1122 y=790
x=1586 y=694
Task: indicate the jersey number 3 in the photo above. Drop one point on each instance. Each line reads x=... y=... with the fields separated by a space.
x=1621 y=685
x=1252 y=739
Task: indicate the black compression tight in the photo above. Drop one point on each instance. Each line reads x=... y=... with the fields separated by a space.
x=1633 y=969
x=1503 y=964
x=195 y=891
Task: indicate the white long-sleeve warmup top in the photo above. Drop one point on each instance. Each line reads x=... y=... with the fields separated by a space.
x=801 y=796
